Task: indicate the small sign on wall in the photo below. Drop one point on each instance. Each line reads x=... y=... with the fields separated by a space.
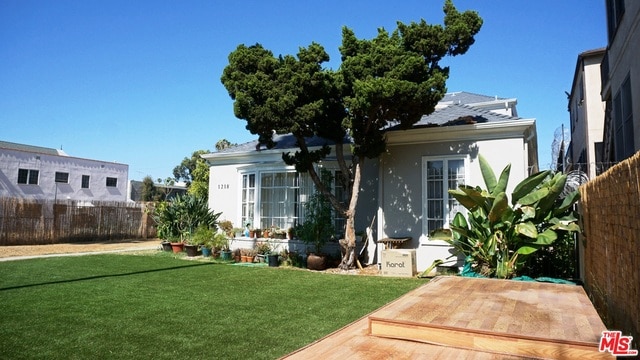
x=223 y=186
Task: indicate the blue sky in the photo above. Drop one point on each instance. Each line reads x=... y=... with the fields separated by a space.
x=138 y=82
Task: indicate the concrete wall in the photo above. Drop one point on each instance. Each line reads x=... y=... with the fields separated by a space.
x=48 y=165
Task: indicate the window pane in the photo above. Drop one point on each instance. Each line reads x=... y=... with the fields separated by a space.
x=33 y=177
x=112 y=182
x=23 y=176
x=62 y=177
x=85 y=181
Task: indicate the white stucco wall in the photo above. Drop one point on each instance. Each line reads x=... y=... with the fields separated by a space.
x=401 y=205
x=225 y=192
x=48 y=165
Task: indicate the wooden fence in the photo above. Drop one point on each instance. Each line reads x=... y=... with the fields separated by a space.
x=36 y=222
x=611 y=220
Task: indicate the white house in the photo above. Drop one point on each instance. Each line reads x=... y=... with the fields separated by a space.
x=44 y=173
x=404 y=191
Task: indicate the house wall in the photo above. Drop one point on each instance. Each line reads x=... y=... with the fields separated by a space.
x=48 y=165
x=401 y=203
x=225 y=191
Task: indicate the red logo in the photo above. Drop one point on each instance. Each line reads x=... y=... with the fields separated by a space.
x=617 y=344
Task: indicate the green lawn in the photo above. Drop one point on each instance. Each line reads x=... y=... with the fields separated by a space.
x=161 y=307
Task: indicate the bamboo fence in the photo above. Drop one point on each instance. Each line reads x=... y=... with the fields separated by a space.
x=610 y=206
x=37 y=222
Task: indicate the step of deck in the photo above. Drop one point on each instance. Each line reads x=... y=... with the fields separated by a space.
x=529 y=319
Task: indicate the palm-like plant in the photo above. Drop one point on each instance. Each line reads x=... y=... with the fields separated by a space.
x=497 y=237
x=180 y=217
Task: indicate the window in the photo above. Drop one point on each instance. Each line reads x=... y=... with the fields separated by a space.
x=112 y=182
x=28 y=176
x=85 y=181
x=623 y=122
x=62 y=177
x=439 y=176
x=276 y=198
x=248 y=198
x=279 y=199
x=615 y=10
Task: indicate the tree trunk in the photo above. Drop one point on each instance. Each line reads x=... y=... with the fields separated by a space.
x=348 y=244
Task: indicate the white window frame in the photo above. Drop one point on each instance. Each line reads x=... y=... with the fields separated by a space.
x=305 y=186
x=446 y=211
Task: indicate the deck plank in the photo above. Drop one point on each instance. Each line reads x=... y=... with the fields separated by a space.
x=467 y=318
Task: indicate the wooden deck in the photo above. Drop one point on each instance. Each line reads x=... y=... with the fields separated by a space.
x=468 y=318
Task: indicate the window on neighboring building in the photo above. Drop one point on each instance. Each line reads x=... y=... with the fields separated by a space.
x=28 y=176
x=439 y=176
x=62 y=177
x=623 y=122
x=85 y=181
x=112 y=182
x=615 y=10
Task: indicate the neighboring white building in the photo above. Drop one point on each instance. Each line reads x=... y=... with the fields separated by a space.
x=586 y=110
x=405 y=190
x=44 y=173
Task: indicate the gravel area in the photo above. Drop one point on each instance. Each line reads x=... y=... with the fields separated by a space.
x=37 y=250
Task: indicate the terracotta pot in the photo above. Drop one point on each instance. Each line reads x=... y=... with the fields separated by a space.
x=316 y=262
x=177 y=247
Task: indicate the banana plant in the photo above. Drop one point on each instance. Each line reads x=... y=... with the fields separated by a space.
x=497 y=237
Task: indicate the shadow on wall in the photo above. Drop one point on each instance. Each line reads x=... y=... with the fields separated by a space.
x=403 y=182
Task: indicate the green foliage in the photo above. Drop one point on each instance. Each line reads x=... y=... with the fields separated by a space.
x=392 y=79
x=180 y=217
x=200 y=183
x=497 y=238
x=148 y=189
x=317 y=228
x=187 y=168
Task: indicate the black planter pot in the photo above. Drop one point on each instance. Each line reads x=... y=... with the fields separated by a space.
x=166 y=246
x=192 y=250
x=273 y=260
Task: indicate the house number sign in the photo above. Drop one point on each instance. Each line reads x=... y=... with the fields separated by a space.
x=223 y=186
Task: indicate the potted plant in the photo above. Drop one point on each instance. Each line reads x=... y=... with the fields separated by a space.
x=237 y=232
x=202 y=238
x=317 y=228
x=220 y=241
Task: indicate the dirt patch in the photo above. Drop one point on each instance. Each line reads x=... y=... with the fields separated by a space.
x=35 y=250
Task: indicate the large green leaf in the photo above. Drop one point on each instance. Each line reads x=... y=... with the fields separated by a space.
x=528 y=249
x=557 y=185
x=534 y=197
x=441 y=234
x=527 y=185
x=469 y=197
x=487 y=174
x=501 y=186
x=547 y=237
x=500 y=204
x=527 y=229
x=568 y=201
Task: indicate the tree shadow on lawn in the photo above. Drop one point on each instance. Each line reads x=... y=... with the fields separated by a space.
x=104 y=276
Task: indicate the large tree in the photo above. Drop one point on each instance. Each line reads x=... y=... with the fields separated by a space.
x=390 y=79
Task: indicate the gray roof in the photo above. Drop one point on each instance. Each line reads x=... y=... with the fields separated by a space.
x=467 y=98
x=286 y=141
x=459 y=110
x=31 y=148
x=460 y=115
